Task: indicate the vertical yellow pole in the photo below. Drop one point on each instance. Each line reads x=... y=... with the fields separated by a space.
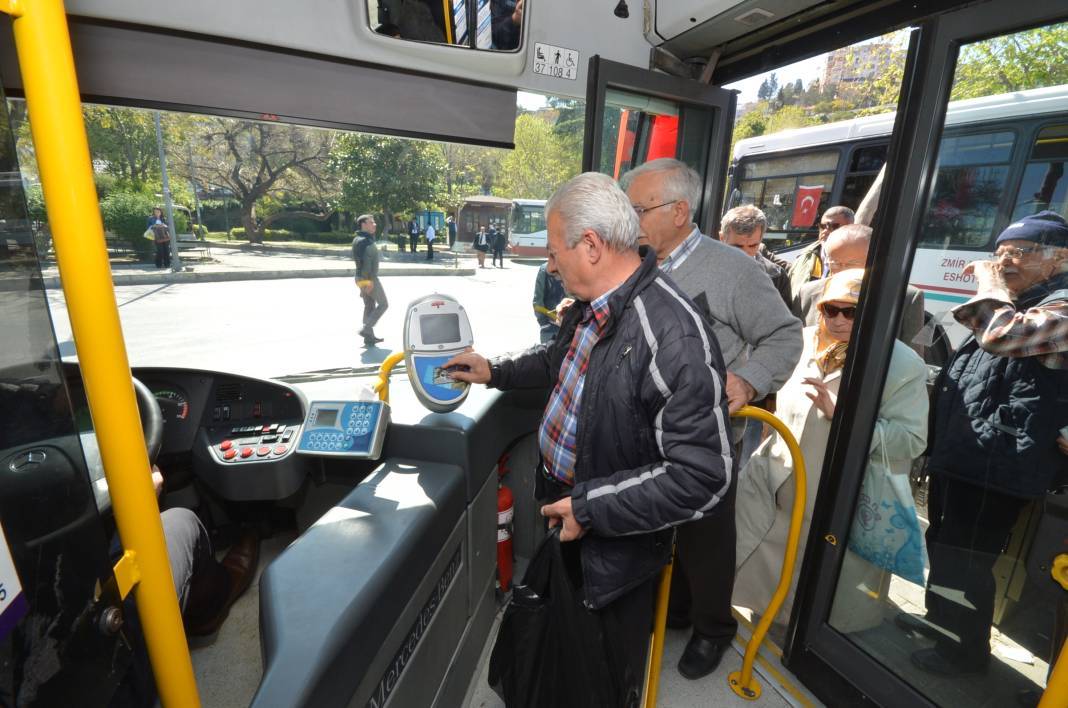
x=1056 y=693
x=46 y=61
x=656 y=653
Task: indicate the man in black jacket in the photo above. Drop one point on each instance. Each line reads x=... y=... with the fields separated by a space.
x=635 y=436
x=365 y=253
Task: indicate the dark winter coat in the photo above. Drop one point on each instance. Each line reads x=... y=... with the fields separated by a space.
x=996 y=418
x=653 y=441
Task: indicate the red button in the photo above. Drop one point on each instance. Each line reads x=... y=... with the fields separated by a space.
x=263 y=451
x=246 y=452
x=229 y=454
x=226 y=445
x=280 y=449
x=266 y=429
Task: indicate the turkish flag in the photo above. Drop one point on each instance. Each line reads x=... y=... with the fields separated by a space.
x=806 y=206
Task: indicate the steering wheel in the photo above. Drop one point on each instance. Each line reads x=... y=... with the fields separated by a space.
x=151 y=419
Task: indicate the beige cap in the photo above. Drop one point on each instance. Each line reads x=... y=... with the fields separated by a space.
x=843 y=287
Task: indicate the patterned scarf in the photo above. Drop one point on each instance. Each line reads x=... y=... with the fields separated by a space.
x=830 y=352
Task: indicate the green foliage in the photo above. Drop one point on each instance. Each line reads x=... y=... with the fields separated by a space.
x=1016 y=62
x=238 y=233
x=125 y=215
x=380 y=174
x=540 y=163
x=752 y=124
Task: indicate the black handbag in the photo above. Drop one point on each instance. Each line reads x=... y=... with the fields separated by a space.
x=553 y=651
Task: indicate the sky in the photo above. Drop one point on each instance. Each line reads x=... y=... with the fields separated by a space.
x=806 y=70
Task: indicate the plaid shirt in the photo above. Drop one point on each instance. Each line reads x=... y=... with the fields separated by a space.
x=1041 y=332
x=681 y=252
x=559 y=426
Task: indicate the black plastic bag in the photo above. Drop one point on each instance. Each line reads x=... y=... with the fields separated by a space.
x=551 y=651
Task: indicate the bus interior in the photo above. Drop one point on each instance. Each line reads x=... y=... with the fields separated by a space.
x=377 y=581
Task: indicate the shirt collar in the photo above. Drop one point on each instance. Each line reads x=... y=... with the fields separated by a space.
x=598 y=309
x=680 y=253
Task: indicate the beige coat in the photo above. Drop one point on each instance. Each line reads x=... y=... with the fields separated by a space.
x=766 y=487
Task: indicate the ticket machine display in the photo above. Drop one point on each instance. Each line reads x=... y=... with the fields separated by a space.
x=345 y=429
x=436 y=329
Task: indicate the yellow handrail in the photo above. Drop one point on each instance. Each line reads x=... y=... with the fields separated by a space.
x=46 y=61
x=741 y=682
x=1056 y=693
x=381 y=385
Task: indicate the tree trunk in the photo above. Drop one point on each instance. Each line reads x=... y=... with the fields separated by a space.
x=253 y=232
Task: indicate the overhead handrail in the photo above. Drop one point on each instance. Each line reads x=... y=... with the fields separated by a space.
x=46 y=62
x=741 y=682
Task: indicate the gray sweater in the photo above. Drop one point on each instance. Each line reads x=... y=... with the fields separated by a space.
x=759 y=338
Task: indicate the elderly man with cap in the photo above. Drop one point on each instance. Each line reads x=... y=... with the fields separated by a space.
x=999 y=406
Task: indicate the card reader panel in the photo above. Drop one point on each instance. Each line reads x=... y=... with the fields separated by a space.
x=345 y=429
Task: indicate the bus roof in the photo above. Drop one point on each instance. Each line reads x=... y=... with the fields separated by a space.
x=487 y=199
x=972 y=110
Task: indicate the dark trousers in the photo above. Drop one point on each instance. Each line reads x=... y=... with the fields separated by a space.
x=970 y=526
x=703 y=579
x=630 y=617
x=163 y=255
x=498 y=254
x=413 y=240
x=374 y=304
x=430 y=250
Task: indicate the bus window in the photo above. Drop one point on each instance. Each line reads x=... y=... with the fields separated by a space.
x=972 y=173
x=1044 y=185
x=772 y=183
x=864 y=165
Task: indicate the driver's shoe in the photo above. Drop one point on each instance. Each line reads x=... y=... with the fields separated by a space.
x=234 y=575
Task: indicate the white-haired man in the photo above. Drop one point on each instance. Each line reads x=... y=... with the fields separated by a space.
x=760 y=341
x=847 y=248
x=634 y=438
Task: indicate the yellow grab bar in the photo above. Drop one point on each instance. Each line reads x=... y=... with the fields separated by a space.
x=741 y=682
x=1056 y=693
x=46 y=62
x=381 y=385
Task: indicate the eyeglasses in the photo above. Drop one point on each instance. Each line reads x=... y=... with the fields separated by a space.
x=1013 y=253
x=831 y=311
x=640 y=210
x=830 y=225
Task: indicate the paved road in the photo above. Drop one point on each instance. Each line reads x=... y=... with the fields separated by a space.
x=273 y=328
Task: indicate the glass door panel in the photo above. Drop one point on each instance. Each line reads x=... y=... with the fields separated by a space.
x=945 y=575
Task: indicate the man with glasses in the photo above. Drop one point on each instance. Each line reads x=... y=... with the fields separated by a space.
x=811 y=262
x=1000 y=409
x=847 y=248
x=761 y=343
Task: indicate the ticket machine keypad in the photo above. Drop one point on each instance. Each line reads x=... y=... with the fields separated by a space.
x=356 y=431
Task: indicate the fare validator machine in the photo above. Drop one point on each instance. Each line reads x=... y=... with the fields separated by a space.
x=436 y=328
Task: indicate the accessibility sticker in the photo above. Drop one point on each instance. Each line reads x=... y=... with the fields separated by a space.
x=13 y=605
x=558 y=62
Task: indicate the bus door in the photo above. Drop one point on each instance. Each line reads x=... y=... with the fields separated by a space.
x=61 y=624
x=634 y=116
x=958 y=603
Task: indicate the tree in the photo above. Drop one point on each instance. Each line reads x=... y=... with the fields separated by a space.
x=773 y=85
x=123 y=140
x=1014 y=62
x=764 y=93
x=469 y=170
x=259 y=160
x=387 y=175
x=540 y=163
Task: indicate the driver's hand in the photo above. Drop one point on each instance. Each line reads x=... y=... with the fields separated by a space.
x=157 y=480
x=478 y=369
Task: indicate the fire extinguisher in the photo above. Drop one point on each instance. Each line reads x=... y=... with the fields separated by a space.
x=505 y=511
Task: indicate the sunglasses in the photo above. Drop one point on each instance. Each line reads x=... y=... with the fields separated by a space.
x=831 y=311
x=829 y=226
